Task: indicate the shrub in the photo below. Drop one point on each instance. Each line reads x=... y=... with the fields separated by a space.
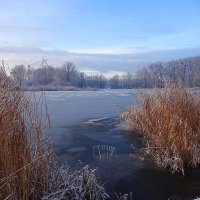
x=169 y=119
x=81 y=184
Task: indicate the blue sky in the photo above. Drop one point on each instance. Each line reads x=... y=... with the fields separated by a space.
x=99 y=35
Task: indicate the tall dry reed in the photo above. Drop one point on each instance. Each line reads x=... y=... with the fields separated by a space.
x=28 y=164
x=27 y=158
x=169 y=119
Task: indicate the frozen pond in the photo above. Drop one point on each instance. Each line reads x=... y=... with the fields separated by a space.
x=70 y=108
x=87 y=130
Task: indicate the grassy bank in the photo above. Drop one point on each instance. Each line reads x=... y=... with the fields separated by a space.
x=169 y=120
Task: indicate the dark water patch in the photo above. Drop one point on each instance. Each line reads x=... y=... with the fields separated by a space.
x=156 y=184
x=121 y=172
x=88 y=134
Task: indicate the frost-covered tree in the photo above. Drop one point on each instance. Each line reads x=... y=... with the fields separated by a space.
x=19 y=73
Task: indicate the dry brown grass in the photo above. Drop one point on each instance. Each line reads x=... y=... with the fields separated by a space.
x=26 y=155
x=28 y=164
x=169 y=119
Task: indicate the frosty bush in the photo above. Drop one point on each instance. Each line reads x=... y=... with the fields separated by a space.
x=169 y=119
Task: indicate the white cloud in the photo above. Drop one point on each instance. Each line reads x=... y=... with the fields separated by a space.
x=108 y=64
x=107 y=74
x=110 y=74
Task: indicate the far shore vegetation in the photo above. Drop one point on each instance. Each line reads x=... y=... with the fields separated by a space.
x=67 y=78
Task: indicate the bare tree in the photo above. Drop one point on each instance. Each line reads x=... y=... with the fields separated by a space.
x=114 y=82
x=45 y=74
x=19 y=73
x=68 y=69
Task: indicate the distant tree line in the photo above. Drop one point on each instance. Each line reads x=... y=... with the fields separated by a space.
x=185 y=71
x=66 y=75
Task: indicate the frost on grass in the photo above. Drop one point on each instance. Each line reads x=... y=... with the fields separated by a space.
x=124 y=196
x=81 y=184
x=169 y=120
